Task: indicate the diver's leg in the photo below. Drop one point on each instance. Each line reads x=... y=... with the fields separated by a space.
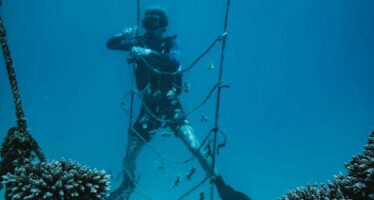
x=186 y=133
x=142 y=131
x=226 y=192
x=134 y=146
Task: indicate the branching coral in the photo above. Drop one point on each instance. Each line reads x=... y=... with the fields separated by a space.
x=56 y=180
x=18 y=149
x=358 y=184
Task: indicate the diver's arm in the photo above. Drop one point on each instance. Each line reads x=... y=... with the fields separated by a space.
x=167 y=62
x=121 y=41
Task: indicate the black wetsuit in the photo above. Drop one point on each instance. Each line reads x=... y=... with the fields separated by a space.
x=165 y=57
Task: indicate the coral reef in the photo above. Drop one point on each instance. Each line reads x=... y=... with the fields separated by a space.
x=56 y=180
x=357 y=184
x=18 y=149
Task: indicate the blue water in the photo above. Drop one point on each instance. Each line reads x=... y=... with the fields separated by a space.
x=299 y=106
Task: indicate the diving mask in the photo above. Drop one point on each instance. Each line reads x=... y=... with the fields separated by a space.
x=151 y=22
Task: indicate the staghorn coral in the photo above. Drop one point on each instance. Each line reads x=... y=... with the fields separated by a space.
x=358 y=184
x=56 y=180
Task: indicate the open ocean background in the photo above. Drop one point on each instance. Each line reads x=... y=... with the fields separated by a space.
x=301 y=101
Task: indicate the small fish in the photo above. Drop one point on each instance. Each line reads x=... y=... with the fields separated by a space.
x=161 y=167
x=208 y=150
x=165 y=134
x=191 y=173
x=187 y=86
x=211 y=66
x=204 y=118
x=177 y=181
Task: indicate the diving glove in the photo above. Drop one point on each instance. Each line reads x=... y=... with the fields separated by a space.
x=140 y=51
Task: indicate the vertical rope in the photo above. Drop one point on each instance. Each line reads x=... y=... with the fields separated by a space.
x=137 y=17
x=132 y=94
x=132 y=91
x=216 y=125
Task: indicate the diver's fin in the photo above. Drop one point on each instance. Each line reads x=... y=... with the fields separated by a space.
x=226 y=192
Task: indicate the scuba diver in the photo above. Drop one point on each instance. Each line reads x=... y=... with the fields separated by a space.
x=157 y=58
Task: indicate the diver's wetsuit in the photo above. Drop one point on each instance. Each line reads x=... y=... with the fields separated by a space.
x=155 y=87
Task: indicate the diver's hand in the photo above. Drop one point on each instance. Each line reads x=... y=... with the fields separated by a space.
x=127 y=32
x=140 y=51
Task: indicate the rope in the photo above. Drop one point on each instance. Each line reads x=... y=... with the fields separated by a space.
x=132 y=92
x=217 y=86
x=136 y=188
x=168 y=158
x=216 y=128
x=220 y=38
x=159 y=154
x=137 y=17
x=154 y=116
x=179 y=70
x=21 y=119
x=194 y=188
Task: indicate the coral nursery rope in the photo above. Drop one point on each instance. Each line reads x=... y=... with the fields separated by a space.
x=216 y=126
x=218 y=87
x=179 y=70
x=12 y=79
x=21 y=119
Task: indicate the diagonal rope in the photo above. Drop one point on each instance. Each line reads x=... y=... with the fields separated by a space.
x=158 y=153
x=139 y=190
x=21 y=119
x=193 y=188
x=219 y=38
x=179 y=70
x=161 y=120
x=215 y=87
